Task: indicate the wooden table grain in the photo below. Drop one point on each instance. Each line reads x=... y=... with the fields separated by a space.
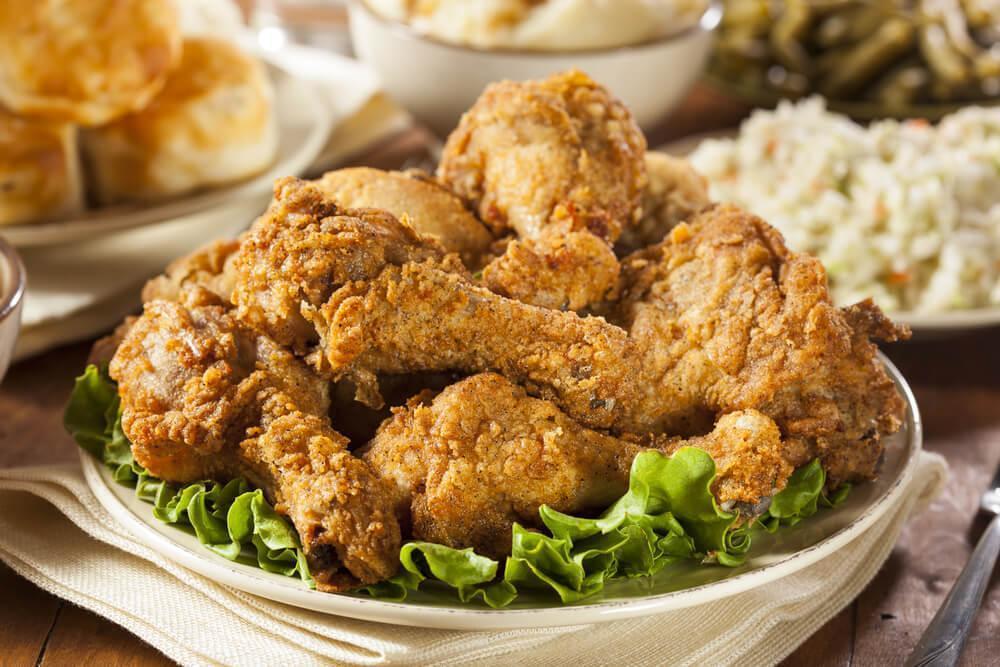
x=957 y=384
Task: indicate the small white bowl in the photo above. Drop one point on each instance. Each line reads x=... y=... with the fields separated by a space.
x=12 y=285
x=437 y=81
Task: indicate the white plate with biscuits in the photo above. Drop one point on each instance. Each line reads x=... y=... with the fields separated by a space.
x=303 y=125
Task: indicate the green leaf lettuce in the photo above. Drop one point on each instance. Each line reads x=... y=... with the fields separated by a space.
x=230 y=519
x=667 y=515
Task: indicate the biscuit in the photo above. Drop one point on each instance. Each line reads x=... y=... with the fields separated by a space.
x=39 y=170
x=85 y=62
x=212 y=124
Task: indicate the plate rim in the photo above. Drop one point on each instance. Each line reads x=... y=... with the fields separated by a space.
x=458 y=618
x=927 y=323
x=67 y=230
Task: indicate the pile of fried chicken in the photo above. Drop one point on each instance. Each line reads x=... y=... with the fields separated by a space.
x=396 y=355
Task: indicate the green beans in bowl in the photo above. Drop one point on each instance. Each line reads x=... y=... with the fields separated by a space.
x=897 y=58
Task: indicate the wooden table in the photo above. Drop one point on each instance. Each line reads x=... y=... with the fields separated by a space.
x=957 y=383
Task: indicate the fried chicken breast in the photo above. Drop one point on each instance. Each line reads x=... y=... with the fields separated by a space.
x=729 y=318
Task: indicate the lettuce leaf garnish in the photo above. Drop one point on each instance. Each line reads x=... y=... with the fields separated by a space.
x=232 y=519
x=801 y=498
x=668 y=515
x=470 y=575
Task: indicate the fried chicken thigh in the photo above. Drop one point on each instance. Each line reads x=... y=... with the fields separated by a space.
x=205 y=398
x=559 y=162
x=483 y=454
x=728 y=318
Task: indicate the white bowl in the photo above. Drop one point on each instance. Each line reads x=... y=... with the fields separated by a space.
x=437 y=81
x=12 y=284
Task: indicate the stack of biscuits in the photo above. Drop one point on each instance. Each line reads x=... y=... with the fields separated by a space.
x=107 y=102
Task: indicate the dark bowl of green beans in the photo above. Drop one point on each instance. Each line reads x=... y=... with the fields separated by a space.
x=869 y=58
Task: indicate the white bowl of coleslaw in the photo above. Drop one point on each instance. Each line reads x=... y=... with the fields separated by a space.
x=905 y=212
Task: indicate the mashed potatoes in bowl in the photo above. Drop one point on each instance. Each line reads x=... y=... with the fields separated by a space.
x=546 y=25
x=434 y=57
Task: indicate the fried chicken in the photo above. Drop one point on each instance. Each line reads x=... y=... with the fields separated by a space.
x=430 y=208
x=720 y=317
x=729 y=319
x=483 y=454
x=304 y=247
x=211 y=266
x=675 y=192
x=714 y=335
x=205 y=398
x=559 y=162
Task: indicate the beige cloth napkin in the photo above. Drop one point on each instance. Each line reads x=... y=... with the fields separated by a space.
x=54 y=532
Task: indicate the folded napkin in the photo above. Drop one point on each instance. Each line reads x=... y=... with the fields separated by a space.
x=54 y=532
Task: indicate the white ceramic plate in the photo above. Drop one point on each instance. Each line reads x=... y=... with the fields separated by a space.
x=304 y=123
x=772 y=557
x=924 y=325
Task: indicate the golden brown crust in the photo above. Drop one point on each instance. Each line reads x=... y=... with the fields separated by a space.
x=212 y=266
x=750 y=459
x=211 y=124
x=303 y=248
x=675 y=193
x=547 y=159
x=483 y=454
x=85 y=62
x=431 y=209
x=203 y=397
x=562 y=271
x=737 y=320
x=40 y=174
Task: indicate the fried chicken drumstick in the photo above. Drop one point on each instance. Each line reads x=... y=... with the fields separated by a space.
x=205 y=398
x=483 y=454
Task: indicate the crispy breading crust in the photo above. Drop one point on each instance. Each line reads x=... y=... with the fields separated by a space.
x=483 y=454
x=733 y=319
x=430 y=208
x=304 y=247
x=203 y=397
x=556 y=161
